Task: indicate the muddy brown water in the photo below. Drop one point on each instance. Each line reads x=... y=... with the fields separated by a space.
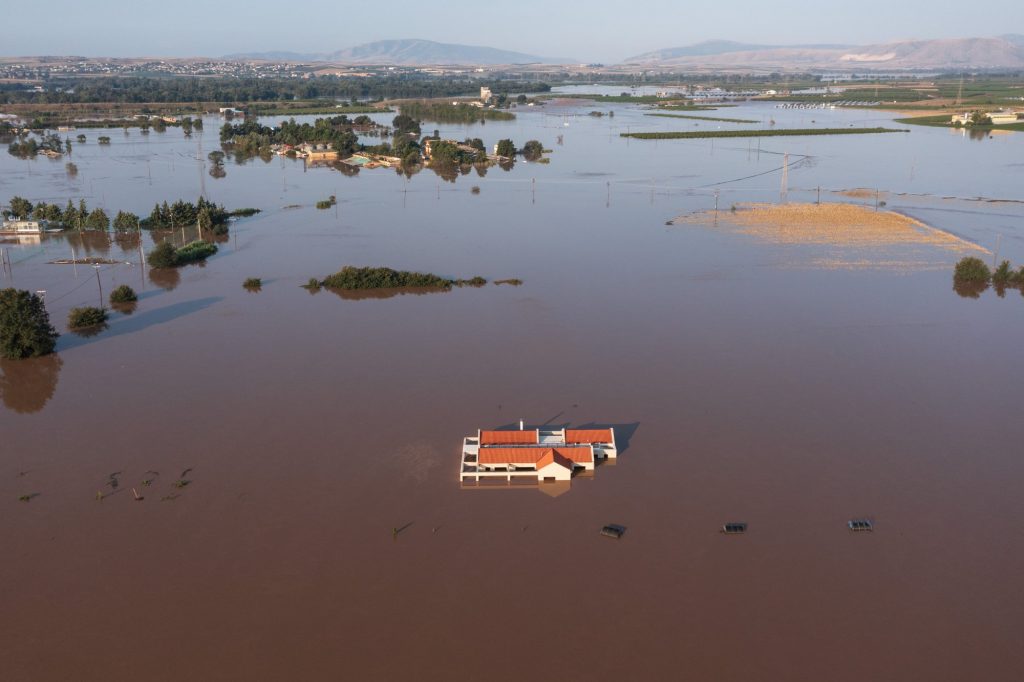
x=745 y=383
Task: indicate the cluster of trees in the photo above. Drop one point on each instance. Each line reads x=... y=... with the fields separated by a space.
x=972 y=276
x=447 y=153
x=228 y=90
x=70 y=217
x=27 y=147
x=250 y=138
x=206 y=214
x=445 y=112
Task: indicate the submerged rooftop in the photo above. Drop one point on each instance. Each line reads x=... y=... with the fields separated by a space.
x=533 y=455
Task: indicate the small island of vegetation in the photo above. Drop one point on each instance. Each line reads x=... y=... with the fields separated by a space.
x=972 y=276
x=353 y=278
x=86 y=318
x=166 y=255
x=446 y=112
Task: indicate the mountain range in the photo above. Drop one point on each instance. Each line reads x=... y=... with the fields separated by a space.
x=410 y=52
x=1002 y=52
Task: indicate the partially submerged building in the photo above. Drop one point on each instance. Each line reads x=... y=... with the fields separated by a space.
x=534 y=455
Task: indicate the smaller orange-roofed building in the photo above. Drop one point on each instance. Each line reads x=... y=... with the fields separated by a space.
x=541 y=455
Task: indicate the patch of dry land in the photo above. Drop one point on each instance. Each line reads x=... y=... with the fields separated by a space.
x=853 y=236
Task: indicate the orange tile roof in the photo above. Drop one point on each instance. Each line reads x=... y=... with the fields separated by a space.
x=589 y=436
x=508 y=437
x=532 y=455
x=552 y=457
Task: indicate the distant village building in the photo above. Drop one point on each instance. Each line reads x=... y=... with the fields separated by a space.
x=998 y=118
x=22 y=227
x=537 y=455
x=485 y=94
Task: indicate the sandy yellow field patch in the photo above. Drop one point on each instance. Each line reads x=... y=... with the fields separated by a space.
x=840 y=225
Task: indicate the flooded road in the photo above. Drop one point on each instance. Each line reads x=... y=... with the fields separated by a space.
x=745 y=383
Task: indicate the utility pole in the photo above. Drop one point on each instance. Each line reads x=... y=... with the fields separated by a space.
x=98 y=283
x=785 y=176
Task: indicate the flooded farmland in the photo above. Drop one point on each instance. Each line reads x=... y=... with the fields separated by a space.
x=321 y=528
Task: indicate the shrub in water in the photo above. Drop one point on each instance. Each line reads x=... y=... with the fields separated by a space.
x=163 y=256
x=252 y=283
x=1003 y=274
x=123 y=294
x=195 y=251
x=972 y=269
x=80 y=318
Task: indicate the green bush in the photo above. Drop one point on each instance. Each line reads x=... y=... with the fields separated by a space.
x=195 y=251
x=79 y=318
x=252 y=283
x=123 y=294
x=477 y=281
x=972 y=269
x=351 y=277
x=163 y=256
x=25 y=329
x=313 y=285
x=1003 y=274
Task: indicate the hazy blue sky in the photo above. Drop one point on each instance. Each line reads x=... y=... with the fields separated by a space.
x=598 y=30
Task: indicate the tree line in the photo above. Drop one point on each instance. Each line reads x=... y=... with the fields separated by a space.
x=229 y=89
x=204 y=213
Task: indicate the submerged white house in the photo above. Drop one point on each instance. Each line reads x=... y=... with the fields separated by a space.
x=534 y=455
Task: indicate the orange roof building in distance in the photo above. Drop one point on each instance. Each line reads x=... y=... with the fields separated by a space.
x=533 y=455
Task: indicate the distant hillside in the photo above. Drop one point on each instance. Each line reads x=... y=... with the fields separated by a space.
x=418 y=52
x=715 y=47
x=1006 y=52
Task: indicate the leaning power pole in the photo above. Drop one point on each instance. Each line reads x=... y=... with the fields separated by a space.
x=785 y=176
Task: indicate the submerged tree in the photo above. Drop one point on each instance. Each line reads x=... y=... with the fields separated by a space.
x=25 y=329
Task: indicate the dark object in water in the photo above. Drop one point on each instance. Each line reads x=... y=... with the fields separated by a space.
x=613 y=530
x=860 y=525
x=734 y=528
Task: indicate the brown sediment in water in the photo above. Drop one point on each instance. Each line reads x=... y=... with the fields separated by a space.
x=842 y=225
x=859 y=193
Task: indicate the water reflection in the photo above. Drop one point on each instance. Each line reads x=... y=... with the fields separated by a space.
x=377 y=294
x=126 y=308
x=970 y=289
x=27 y=385
x=90 y=331
x=88 y=242
x=128 y=241
x=165 y=278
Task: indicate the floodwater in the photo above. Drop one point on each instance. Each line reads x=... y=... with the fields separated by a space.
x=745 y=382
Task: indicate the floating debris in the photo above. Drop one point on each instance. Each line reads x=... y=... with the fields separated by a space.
x=27 y=498
x=734 y=528
x=85 y=261
x=613 y=530
x=170 y=498
x=181 y=483
x=860 y=525
x=138 y=497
